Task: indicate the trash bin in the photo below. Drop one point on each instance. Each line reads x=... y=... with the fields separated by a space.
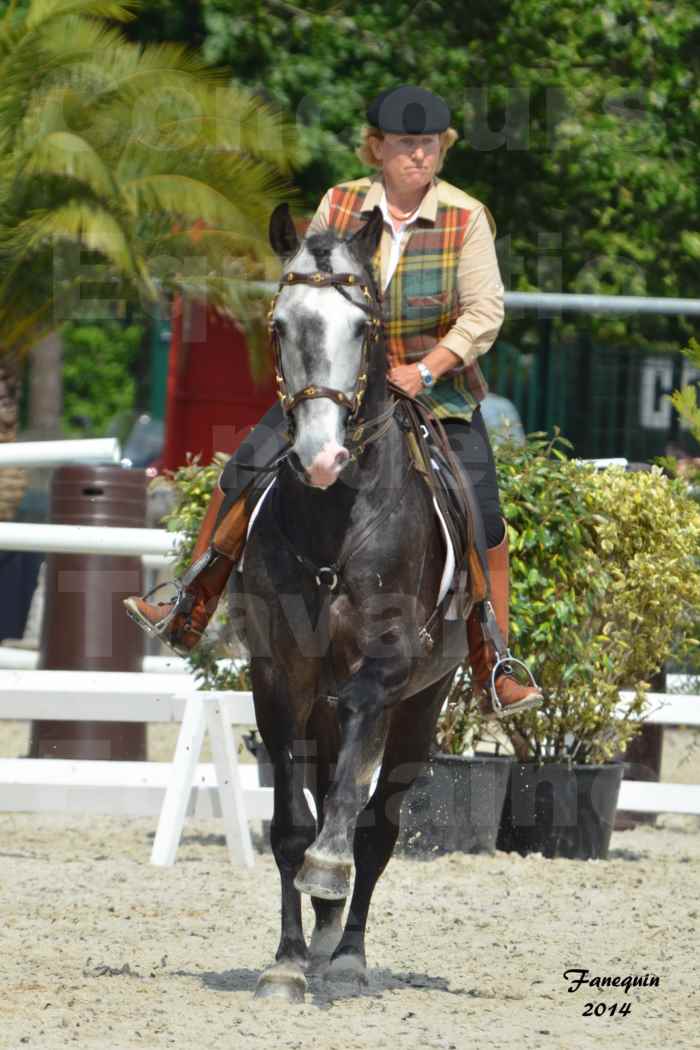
x=84 y=627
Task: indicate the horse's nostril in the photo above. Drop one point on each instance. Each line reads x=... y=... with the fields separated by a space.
x=342 y=457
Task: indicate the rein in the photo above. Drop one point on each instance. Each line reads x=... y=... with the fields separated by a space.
x=382 y=422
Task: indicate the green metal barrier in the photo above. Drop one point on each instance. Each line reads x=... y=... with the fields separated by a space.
x=607 y=400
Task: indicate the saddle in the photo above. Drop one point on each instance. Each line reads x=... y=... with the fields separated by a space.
x=454 y=494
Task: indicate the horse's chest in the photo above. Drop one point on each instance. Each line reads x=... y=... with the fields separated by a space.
x=345 y=634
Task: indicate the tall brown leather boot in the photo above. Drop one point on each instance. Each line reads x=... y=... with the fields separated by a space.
x=511 y=697
x=180 y=623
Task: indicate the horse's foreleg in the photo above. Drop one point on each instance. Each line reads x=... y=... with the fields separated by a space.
x=363 y=718
x=323 y=734
x=293 y=828
x=408 y=744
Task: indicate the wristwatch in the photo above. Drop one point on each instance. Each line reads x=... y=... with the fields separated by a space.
x=426 y=375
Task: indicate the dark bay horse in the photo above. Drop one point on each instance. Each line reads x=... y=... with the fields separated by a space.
x=342 y=571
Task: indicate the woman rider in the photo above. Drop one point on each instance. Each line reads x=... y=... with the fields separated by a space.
x=443 y=308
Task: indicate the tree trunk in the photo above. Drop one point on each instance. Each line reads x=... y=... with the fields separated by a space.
x=12 y=480
x=46 y=388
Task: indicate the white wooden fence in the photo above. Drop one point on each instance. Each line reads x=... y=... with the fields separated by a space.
x=169 y=790
x=173 y=790
x=650 y=796
x=12 y=658
x=57 y=453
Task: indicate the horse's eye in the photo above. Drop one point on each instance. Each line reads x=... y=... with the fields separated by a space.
x=279 y=326
x=360 y=329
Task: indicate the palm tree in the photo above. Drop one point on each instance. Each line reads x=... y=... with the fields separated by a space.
x=125 y=172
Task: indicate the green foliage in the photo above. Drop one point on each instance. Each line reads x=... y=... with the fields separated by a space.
x=605 y=580
x=138 y=170
x=192 y=486
x=685 y=401
x=554 y=585
x=598 y=166
x=98 y=380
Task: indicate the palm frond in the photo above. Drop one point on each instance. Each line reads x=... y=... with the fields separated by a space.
x=83 y=223
x=41 y=12
x=63 y=153
x=21 y=328
x=192 y=199
x=250 y=186
x=143 y=157
x=131 y=62
x=254 y=128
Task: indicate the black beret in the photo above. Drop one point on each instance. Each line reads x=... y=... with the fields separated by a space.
x=409 y=110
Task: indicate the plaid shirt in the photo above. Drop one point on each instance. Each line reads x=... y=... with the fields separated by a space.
x=446 y=288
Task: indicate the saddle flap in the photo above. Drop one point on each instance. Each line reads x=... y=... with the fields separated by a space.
x=454 y=493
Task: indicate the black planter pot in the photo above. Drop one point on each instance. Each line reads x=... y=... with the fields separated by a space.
x=454 y=806
x=560 y=811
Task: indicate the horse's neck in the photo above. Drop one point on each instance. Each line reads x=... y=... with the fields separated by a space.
x=319 y=521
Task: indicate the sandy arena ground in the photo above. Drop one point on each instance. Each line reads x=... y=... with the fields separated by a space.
x=101 y=950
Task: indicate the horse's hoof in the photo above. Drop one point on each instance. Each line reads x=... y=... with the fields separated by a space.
x=283 y=981
x=347 y=968
x=324 y=877
x=323 y=944
x=317 y=965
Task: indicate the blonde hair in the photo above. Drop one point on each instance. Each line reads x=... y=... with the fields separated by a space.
x=364 y=150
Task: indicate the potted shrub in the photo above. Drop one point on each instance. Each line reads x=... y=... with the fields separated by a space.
x=605 y=582
x=455 y=803
x=552 y=563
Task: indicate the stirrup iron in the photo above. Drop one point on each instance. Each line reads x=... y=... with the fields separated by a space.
x=182 y=604
x=505 y=661
x=184 y=600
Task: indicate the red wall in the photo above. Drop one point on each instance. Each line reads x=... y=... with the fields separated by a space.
x=212 y=400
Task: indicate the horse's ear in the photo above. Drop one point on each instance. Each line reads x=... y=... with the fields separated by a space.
x=283 y=236
x=366 y=241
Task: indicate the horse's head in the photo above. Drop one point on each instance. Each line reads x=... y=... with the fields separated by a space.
x=325 y=320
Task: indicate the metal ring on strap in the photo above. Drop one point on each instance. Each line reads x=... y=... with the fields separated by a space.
x=330 y=584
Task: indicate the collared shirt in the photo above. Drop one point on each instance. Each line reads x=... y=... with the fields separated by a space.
x=397 y=239
x=480 y=288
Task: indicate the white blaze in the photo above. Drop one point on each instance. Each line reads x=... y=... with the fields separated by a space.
x=334 y=360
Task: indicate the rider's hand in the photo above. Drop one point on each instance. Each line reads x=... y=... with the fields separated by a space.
x=408 y=378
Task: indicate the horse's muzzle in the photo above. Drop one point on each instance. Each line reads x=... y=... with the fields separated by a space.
x=325 y=468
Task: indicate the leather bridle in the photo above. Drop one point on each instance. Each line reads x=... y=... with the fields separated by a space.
x=371 y=307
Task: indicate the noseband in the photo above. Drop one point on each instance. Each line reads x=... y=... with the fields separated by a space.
x=371 y=307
